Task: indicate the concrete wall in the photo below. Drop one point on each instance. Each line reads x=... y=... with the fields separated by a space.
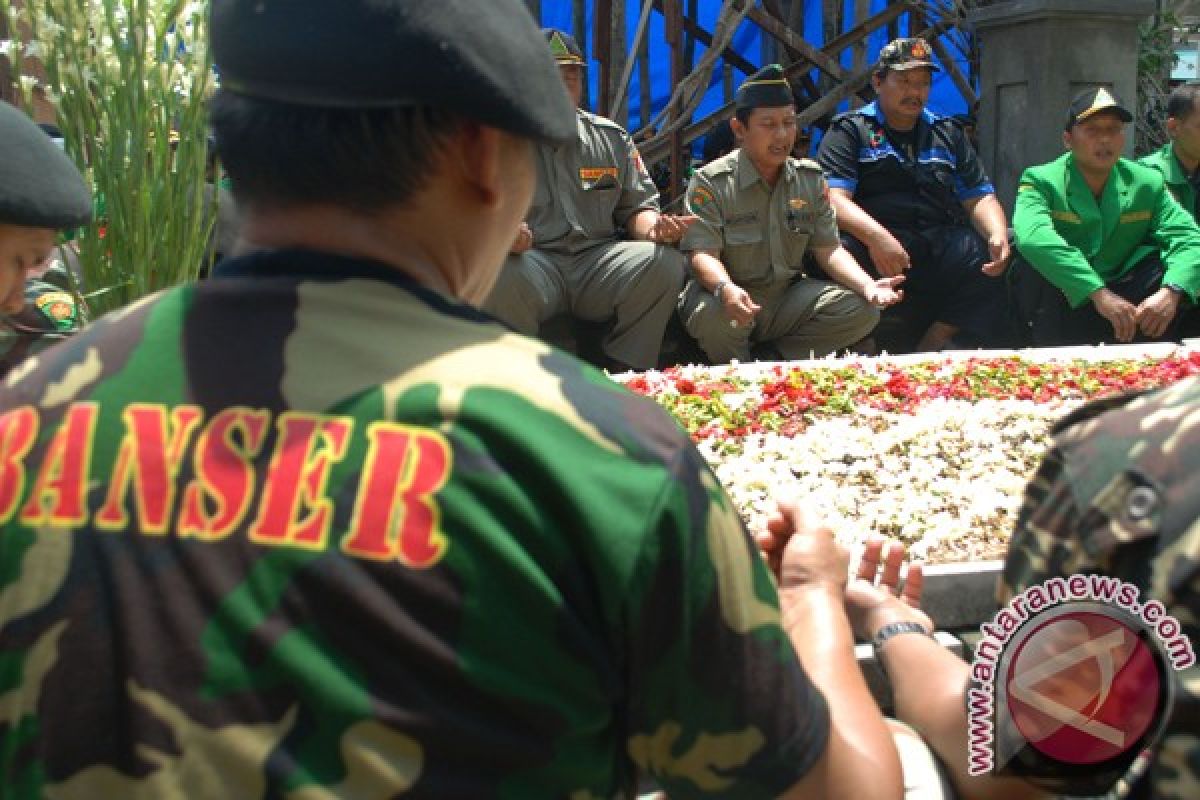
x=1035 y=55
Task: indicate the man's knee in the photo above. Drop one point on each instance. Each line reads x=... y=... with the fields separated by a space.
x=849 y=312
x=705 y=321
x=523 y=297
x=665 y=270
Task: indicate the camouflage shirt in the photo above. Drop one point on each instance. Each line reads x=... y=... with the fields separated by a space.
x=307 y=530
x=1081 y=515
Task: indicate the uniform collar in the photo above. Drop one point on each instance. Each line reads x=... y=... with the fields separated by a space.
x=748 y=174
x=872 y=109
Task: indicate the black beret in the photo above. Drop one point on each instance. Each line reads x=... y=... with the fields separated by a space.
x=766 y=88
x=484 y=61
x=564 y=48
x=40 y=186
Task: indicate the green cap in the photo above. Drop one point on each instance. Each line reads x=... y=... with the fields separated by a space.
x=766 y=88
x=484 y=61
x=564 y=48
x=40 y=186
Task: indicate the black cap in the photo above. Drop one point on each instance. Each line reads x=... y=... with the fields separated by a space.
x=902 y=54
x=40 y=187
x=484 y=61
x=766 y=88
x=564 y=48
x=1091 y=102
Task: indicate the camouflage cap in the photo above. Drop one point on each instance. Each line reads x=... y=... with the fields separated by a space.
x=564 y=48
x=40 y=187
x=767 y=88
x=902 y=54
x=483 y=61
x=1093 y=101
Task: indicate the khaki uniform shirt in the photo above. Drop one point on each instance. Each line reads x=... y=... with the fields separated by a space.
x=587 y=190
x=761 y=232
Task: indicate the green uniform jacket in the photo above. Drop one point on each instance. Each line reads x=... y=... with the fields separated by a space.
x=1080 y=245
x=1168 y=165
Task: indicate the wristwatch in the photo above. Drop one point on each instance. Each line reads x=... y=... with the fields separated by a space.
x=895 y=629
x=717 y=289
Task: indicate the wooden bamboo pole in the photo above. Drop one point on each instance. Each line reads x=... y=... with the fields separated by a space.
x=705 y=38
x=644 y=85
x=579 y=31
x=951 y=67
x=678 y=71
x=639 y=38
x=604 y=52
x=862 y=9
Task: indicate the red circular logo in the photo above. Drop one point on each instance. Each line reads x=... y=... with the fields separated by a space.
x=1083 y=688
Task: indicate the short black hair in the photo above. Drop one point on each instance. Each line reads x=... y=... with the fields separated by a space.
x=1182 y=101
x=742 y=115
x=280 y=155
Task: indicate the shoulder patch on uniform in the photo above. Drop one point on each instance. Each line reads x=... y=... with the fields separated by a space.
x=59 y=308
x=701 y=197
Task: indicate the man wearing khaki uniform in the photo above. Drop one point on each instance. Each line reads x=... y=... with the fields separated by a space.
x=571 y=255
x=758 y=212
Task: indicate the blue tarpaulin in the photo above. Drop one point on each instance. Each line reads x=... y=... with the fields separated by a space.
x=747 y=42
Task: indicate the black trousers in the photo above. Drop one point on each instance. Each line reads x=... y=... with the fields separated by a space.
x=945 y=282
x=1042 y=317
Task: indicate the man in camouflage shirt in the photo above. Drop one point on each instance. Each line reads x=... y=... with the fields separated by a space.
x=1118 y=495
x=318 y=528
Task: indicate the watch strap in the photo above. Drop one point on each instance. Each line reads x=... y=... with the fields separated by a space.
x=895 y=629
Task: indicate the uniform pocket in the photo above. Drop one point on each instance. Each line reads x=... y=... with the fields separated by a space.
x=747 y=255
x=599 y=202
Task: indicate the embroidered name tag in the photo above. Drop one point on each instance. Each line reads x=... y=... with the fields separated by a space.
x=1136 y=216
x=1065 y=216
x=797 y=203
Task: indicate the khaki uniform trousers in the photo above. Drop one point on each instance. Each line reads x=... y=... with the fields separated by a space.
x=637 y=282
x=807 y=318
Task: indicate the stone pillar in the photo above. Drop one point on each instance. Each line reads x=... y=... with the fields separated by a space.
x=1035 y=55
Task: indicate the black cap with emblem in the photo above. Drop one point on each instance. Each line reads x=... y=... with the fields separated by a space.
x=1095 y=101
x=905 y=54
x=39 y=185
x=766 y=88
x=484 y=61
